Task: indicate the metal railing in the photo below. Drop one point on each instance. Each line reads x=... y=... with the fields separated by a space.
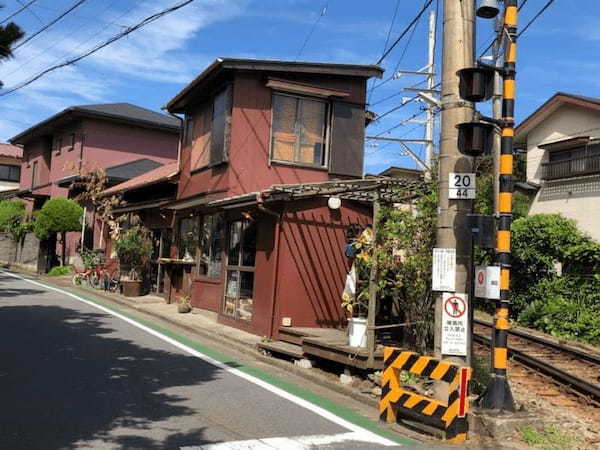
x=572 y=167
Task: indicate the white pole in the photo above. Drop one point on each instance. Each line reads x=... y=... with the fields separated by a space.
x=83 y=227
x=429 y=127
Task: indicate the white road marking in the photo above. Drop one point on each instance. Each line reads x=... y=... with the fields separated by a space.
x=361 y=434
x=287 y=443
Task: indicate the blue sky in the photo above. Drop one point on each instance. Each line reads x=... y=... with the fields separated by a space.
x=560 y=52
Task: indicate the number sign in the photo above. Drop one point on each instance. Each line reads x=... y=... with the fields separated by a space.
x=461 y=186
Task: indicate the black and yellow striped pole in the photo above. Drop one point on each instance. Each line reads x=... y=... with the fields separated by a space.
x=498 y=394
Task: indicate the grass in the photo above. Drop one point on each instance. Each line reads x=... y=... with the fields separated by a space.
x=481 y=375
x=549 y=438
x=60 y=271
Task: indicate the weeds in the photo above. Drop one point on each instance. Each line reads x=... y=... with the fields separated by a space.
x=549 y=438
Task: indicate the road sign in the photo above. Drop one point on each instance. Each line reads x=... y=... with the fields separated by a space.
x=444 y=269
x=487 y=282
x=461 y=186
x=455 y=324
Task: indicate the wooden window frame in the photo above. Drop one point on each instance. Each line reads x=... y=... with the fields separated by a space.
x=219 y=276
x=237 y=268
x=34 y=174
x=326 y=137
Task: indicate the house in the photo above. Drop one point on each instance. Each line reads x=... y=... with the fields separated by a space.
x=399 y=172
x=256 y=239
x=562 y=139
x=123 y=139
x=10 y=169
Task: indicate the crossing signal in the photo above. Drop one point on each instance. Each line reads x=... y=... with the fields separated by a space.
x=475 y=138
x=476 y=84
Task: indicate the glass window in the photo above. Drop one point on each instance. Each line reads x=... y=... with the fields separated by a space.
x=221 y=119
x=241 y=257
x=299 y=128
x=213 y=227
x=188 y=238
x=34 y=174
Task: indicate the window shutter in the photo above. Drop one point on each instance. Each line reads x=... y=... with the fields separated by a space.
x=347 y=139
x=221 y=127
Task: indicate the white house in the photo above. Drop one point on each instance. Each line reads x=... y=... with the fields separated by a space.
x=562 y=138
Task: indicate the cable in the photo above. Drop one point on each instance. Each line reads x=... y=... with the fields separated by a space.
x=496 y=37
x=395 y=95
x=405 y=121
x=98 y=47
x=387 y=38
x=540 y=12
x=406 y=30
x=312 y=30
x=30 y=11
x=21 y=9
x=49 y=24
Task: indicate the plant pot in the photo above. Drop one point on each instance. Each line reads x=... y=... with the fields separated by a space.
x=357 y=332
x=184 y=308
x=132 y=288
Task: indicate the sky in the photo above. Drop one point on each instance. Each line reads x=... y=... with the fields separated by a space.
x=559 y=52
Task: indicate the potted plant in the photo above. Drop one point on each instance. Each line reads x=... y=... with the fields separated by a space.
x=133 y=248
x=184 y=304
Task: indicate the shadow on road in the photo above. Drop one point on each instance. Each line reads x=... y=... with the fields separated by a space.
x=67 y=377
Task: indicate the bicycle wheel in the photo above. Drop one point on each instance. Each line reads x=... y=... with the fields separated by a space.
x=77 y=279
x=113 y=281
x=95 y=281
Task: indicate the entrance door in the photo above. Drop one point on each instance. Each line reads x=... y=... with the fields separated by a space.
x=241 y=256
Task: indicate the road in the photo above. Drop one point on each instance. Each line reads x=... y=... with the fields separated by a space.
x=75 y=375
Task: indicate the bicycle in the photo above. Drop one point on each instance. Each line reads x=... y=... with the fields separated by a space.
x=82 y=278
x=112 y=281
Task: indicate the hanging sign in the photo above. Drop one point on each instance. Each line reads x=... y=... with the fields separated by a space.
x=487 y=282
x=444 y=269
x=455 y=324
x=461 y=186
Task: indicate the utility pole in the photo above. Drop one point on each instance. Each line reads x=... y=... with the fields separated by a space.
x=452 y=230
x=429 y=126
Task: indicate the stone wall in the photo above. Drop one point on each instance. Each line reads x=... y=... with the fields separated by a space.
x=22 y=254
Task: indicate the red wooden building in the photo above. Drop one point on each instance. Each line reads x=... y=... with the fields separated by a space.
x=243 y=246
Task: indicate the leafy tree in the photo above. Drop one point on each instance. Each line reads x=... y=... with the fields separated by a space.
x=9 y=34
x=14 y=219
x=58 y=215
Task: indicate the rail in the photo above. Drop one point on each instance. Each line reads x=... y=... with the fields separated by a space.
x=549 y=367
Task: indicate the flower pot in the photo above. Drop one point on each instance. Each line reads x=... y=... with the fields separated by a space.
x=132 y=288
x=357 y=332
x=184 y=308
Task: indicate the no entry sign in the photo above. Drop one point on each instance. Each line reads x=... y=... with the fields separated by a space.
x=455 y=324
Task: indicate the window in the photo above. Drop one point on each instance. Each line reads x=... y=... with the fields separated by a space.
x=220 y=128
x=10 y=173
x=572 y=162
x=188 y=238
x=241 y=256
x=211 y=246
x=34 y=174
x=299 y=130
x=58 y=145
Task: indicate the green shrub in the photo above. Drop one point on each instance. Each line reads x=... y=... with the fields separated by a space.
x=58 y=215
x=132 y=248
x=60 y=271
x=14 y=219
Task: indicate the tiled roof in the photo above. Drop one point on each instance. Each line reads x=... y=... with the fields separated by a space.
x=10 y=150
x=159 y=174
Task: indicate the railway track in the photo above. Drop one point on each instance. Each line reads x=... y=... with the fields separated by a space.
x=573 y=368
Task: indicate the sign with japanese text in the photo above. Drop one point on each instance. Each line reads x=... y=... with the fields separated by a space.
x=444 y=269
x=455 y=324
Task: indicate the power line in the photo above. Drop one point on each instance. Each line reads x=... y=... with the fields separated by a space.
x=406 y=30
x=540 y=12
x=30 y=11
x=98 y=47
x=312 y=29
x=18 y=11
x=404 y=122
x=491 y=44
x=395 y=94
x=49 y=24
x=387 y=38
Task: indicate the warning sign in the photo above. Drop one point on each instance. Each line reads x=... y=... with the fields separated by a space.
x=455 y=324
x=487 y=282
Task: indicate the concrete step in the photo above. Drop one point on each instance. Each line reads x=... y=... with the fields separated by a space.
x=283 y=348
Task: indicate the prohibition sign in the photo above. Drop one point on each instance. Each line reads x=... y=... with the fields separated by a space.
x=455 y=307
x=480 y=277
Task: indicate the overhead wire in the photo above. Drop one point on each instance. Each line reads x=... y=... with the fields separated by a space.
x=539 y=13
x=30 y=11
x=312 y=29
x=98 y=47
x=18 y=11
x=406 y=30
x=49 y=24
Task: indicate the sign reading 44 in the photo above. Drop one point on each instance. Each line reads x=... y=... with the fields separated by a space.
x=461 y=186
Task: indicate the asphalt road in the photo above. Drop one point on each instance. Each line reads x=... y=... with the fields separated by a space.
x=75 y=376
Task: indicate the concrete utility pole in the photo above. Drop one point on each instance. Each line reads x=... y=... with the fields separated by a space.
x=452 y=231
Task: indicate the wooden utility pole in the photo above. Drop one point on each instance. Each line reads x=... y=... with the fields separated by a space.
x=452 y=230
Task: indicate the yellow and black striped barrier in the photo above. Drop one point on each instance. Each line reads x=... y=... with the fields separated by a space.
x=397 y=403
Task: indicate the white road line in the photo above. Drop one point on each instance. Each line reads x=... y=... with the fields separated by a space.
x=360 y=433
x=287 y=443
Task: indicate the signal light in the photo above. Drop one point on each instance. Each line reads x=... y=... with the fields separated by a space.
x=488 y=9
x=476 y=84
x=475 y=138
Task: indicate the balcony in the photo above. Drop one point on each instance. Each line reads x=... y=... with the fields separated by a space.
x=572 y=167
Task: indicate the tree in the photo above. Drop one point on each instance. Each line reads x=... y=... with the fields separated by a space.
x=58 y=215
x=9 y=34
x=14 y=219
